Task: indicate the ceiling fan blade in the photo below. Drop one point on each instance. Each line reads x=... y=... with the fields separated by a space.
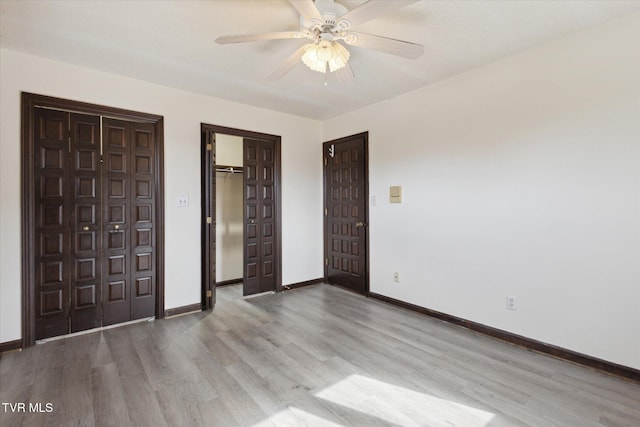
x=345 y=75
x=263 y=36
x=287 y=65
x=385 y=44
x=307 y=9
x=372 y=9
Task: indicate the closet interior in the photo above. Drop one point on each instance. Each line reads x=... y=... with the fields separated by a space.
x=229 y=207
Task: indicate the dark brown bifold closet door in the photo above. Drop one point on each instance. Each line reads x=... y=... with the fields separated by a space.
x=259 y=216
x=94 y=222
x=129 y=209
x=67 y=213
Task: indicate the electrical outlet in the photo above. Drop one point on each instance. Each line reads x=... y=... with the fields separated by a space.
x=511 y=303
x=396 y=277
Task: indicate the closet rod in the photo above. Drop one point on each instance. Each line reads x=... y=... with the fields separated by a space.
x=229 y=169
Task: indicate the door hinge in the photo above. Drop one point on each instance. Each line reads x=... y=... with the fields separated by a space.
x=209 y=147
x=326 y=212
x=209 y=220
x=326 y=262
x=325 y=161
x=209 y=293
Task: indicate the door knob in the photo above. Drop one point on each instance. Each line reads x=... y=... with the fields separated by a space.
x=85 y=228
x=360 y=224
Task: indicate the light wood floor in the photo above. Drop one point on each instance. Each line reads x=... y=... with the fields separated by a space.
x=314 y=356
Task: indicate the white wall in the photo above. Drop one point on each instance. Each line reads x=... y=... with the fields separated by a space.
x=521 y=178
x=183 y=112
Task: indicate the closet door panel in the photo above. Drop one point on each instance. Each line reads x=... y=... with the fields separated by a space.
x=267 y=166
x=85 y=223
x=259 y=199
x=143 y=221
x=52 y=263
x=116 y=263
x=251 y=279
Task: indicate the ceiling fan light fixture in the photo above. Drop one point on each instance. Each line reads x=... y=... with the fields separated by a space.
x=329 y=25
x=319 y=56
x=311 y=60
x=324 y=50
x=340 y=57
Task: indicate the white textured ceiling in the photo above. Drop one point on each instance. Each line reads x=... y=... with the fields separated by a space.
x=172 y=43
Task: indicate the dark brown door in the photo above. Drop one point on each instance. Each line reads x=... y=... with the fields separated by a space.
x=259 y=216
x=142 y=211
x=85 y=219
x=95 y=218
x=92 y=216
x=346 y=215
x=128 y=230
x=67 y=218
x=51 y=148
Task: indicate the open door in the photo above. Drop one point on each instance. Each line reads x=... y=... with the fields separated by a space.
x=346 y=236
x=259 y=216
x=262 y=238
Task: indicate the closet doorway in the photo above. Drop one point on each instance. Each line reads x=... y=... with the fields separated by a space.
x=241 y=238
x=229 y=229
x=92 y=216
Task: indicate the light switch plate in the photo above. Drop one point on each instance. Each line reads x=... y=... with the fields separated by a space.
x=395 y=194
x=182 y=201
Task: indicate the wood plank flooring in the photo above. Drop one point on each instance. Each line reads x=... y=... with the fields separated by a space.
x=314 y=356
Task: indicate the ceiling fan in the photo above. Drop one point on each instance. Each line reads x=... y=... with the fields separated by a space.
x=329 y=24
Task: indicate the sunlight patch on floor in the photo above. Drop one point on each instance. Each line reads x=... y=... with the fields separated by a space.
x=293 y=416
x=401 y=406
